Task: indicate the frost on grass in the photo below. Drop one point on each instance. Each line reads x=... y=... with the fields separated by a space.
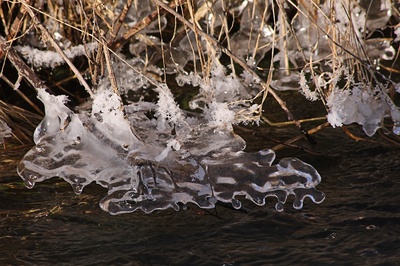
x=357 y=106
x=154 y=163
x=362 y=105
x=51 y=59
x=342 y=76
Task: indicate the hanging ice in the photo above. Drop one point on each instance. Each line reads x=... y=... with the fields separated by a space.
x=161 y=171
x=5 y=130
x=362 y=105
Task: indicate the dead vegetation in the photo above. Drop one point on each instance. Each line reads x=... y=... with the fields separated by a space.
x=319 y=48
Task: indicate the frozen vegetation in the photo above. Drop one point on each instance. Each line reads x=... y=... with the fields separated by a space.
x=197 y=165
x=151 y=153
x=5 y=131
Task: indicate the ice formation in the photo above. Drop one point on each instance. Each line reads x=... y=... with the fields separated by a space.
x=51 y=59
x=364 y=106
x=363 y=100
x=145 y=168
x=5 y=130
x=152 y=155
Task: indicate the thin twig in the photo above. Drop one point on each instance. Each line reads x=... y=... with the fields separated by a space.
x=15 y=27
x=283 y=38
x=110 y=70
x=117 y=43
x=286 y=123
x=20 y=65
x=47 y=37
x=292 y=140
x=118 y=22
x=264 y=85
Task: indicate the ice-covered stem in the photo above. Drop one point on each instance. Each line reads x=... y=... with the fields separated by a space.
x=23 y=71
x=283 y=43
x=22 y=68
x=46 y=36
x=110 y=70
x=266 y=87
x=332 y=37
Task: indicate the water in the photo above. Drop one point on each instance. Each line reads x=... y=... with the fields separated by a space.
x=358 y=223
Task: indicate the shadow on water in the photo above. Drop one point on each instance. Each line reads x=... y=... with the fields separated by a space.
x=359 y=222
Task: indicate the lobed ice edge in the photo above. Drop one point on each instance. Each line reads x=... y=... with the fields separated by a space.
x=82 y=148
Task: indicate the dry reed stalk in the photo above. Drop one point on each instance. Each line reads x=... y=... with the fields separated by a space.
x=293 y=140
x=196 y=28
x=20 y=120
x=23 y=69
x=266 y=87
x=120 y=20
x=117 y=43
x=46 y=36
x=282 y=20
x=95 y=20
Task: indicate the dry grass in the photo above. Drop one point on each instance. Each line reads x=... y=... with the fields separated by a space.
x=273 y=28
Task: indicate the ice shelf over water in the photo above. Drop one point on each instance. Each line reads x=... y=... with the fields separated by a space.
x=152 y=170
x=153 y=155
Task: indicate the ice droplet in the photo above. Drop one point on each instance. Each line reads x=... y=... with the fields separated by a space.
x=396 y=128
x=236 y=204
x=279 y=206
x=29 y=183
x=77 y=188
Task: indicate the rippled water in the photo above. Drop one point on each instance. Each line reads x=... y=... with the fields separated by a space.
x=359 y=222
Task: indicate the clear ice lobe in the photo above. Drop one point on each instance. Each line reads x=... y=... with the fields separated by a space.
x=197 y=167
x=5 y=130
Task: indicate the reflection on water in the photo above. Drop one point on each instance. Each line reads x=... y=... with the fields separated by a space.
x=359 y=222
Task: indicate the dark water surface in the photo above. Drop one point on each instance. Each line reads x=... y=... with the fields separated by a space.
x=358 y=223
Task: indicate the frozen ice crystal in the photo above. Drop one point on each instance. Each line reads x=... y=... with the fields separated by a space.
x=196 y=165
x=5 y=130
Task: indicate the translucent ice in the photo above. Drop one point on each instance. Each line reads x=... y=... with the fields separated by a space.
x=348 y=17
x=52 y=59
x=254 y=38
x=194 y=165
x=361 y=105
x=5 y=130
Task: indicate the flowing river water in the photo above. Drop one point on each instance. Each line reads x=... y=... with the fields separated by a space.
x=358 y=223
